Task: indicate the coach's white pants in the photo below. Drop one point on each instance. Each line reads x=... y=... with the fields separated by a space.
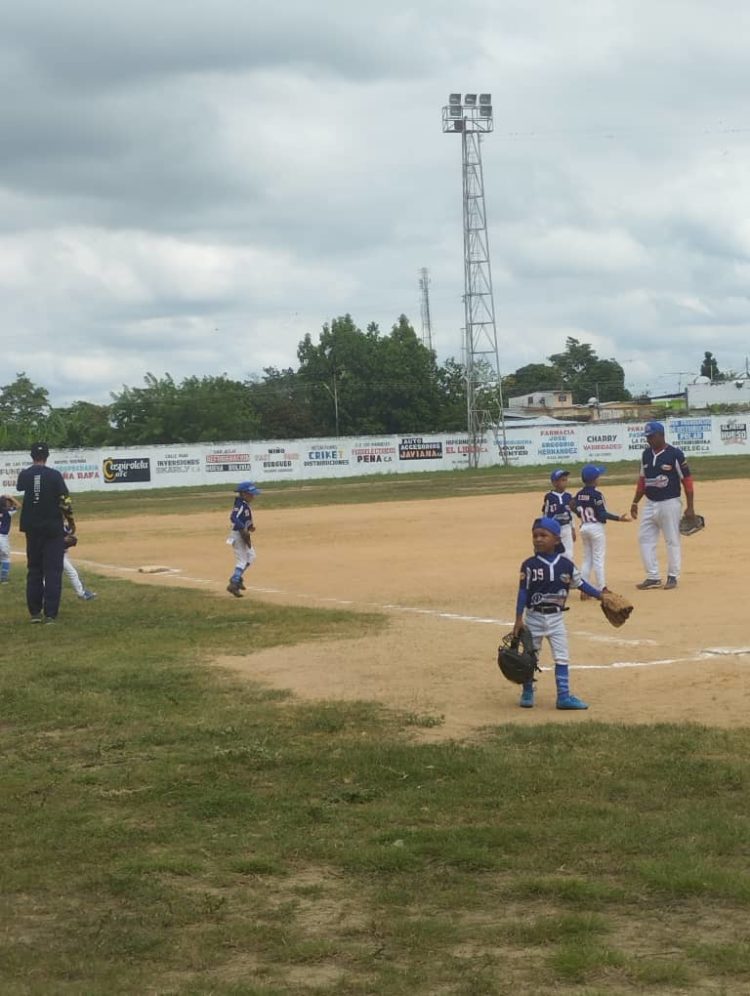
x=553 y=628
x=594 y=543
x=664 y=517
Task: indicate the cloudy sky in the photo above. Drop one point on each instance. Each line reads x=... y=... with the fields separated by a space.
x=190 y=186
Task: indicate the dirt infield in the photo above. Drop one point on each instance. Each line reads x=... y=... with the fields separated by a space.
x=445 y=571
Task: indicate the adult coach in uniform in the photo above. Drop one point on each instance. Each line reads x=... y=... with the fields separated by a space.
x=664 y=475
x=42 y=522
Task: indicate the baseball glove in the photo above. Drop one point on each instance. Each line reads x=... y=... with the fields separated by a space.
x=616 y=608
x=689 y=526
x=516 y=657
x=70 y=540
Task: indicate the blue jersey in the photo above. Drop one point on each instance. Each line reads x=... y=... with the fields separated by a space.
x=241 y=516
x=663 y=472
x=5 y=521
x=590 y=506
x=557 y=506
x=545 y=582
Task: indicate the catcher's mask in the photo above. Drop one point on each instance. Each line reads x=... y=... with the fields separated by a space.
x=516 y=657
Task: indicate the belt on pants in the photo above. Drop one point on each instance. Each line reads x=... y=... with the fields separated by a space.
x=547 y=610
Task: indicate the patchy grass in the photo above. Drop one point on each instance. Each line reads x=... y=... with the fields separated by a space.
x=169 y=829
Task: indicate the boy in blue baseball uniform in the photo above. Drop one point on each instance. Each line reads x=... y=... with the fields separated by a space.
x=239 y=539
x=589 y=506
x=8 y=507
x=556 y=506
x=546 y=579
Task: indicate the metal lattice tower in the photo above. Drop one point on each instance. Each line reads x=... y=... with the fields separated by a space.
x=470 y=116
x=424 y=288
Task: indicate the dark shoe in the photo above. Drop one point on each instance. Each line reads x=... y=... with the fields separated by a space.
x=88 y=595
x=649 y=583
x=241 y=586
x=48 y=620
x=37 y=617
x=234 y=589
x=671 y=583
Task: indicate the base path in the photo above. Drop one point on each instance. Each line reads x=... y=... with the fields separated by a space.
x=446 y=573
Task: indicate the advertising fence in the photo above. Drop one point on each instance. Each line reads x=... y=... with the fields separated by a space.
x=140 y=467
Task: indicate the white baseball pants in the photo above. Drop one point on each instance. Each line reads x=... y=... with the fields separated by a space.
x=4 y=548
x=566 y=538
x=244 y=555
x=72 y=574
x=660 y=517
x=594 y=543
x=552 y=627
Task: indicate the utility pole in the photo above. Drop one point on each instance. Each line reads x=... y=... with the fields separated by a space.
x=470 y=116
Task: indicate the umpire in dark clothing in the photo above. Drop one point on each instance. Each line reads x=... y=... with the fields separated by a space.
x=42 y=522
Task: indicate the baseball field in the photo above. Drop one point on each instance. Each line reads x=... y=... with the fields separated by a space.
x=327 y=786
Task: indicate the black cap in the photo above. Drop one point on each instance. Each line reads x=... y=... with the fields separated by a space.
x=39 y=451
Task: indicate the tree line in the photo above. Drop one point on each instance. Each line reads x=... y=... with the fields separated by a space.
x=348 y=382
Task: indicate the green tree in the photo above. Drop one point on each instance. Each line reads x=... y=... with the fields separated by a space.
x=583 y=373
x=530 y=378
x=82 y=425
x=282 y=402
x=24 y=413
x=202 y=409
x=710 y=367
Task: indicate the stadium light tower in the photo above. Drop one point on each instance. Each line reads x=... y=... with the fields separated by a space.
x=470 y=116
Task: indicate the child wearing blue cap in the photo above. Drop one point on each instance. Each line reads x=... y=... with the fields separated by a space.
x=241 y=518
x=589 y=506
x=556 y=505
x=546 y=579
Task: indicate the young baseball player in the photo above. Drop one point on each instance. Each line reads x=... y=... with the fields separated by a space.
x=556 y=506
x=8 y=507
x=546 y=579
x=72 y=574
x=589 y=506
x=241 y=518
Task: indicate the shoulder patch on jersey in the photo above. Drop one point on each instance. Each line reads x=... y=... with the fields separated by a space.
x=566 y=578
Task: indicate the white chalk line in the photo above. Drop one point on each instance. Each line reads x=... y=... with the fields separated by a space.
x=706 y=654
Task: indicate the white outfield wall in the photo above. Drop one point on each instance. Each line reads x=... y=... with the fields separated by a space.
x=565 y=445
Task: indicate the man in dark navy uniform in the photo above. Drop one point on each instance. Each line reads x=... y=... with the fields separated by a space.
x=45 y=495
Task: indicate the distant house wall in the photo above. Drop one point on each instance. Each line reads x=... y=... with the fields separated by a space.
x=544 y=400
x=729 y=392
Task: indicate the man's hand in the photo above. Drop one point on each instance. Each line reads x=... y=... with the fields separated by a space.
x=634 y=511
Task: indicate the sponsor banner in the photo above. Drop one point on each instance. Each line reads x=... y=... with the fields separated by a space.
x=691 y=435
x=373 y=456
x=325 y=458
x=419 y=448
x=126 y=470
x=11 y=465
x=181 y=464
x=557 y=443
x=599 y=441
x=730 y=431
x=458 y=450
x=231 y=459
x=635 y=441
x=276 y=459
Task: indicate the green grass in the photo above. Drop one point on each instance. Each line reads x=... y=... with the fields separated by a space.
x=167 y=828
x=376 y=488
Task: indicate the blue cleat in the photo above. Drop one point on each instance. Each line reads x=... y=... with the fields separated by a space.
x=527 y=698
x=571 y=702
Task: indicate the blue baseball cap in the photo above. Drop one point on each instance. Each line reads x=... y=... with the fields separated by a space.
x=653 y=429
x=551 y=525
x=590 y=472
x=557 y=474
x=248 y=486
